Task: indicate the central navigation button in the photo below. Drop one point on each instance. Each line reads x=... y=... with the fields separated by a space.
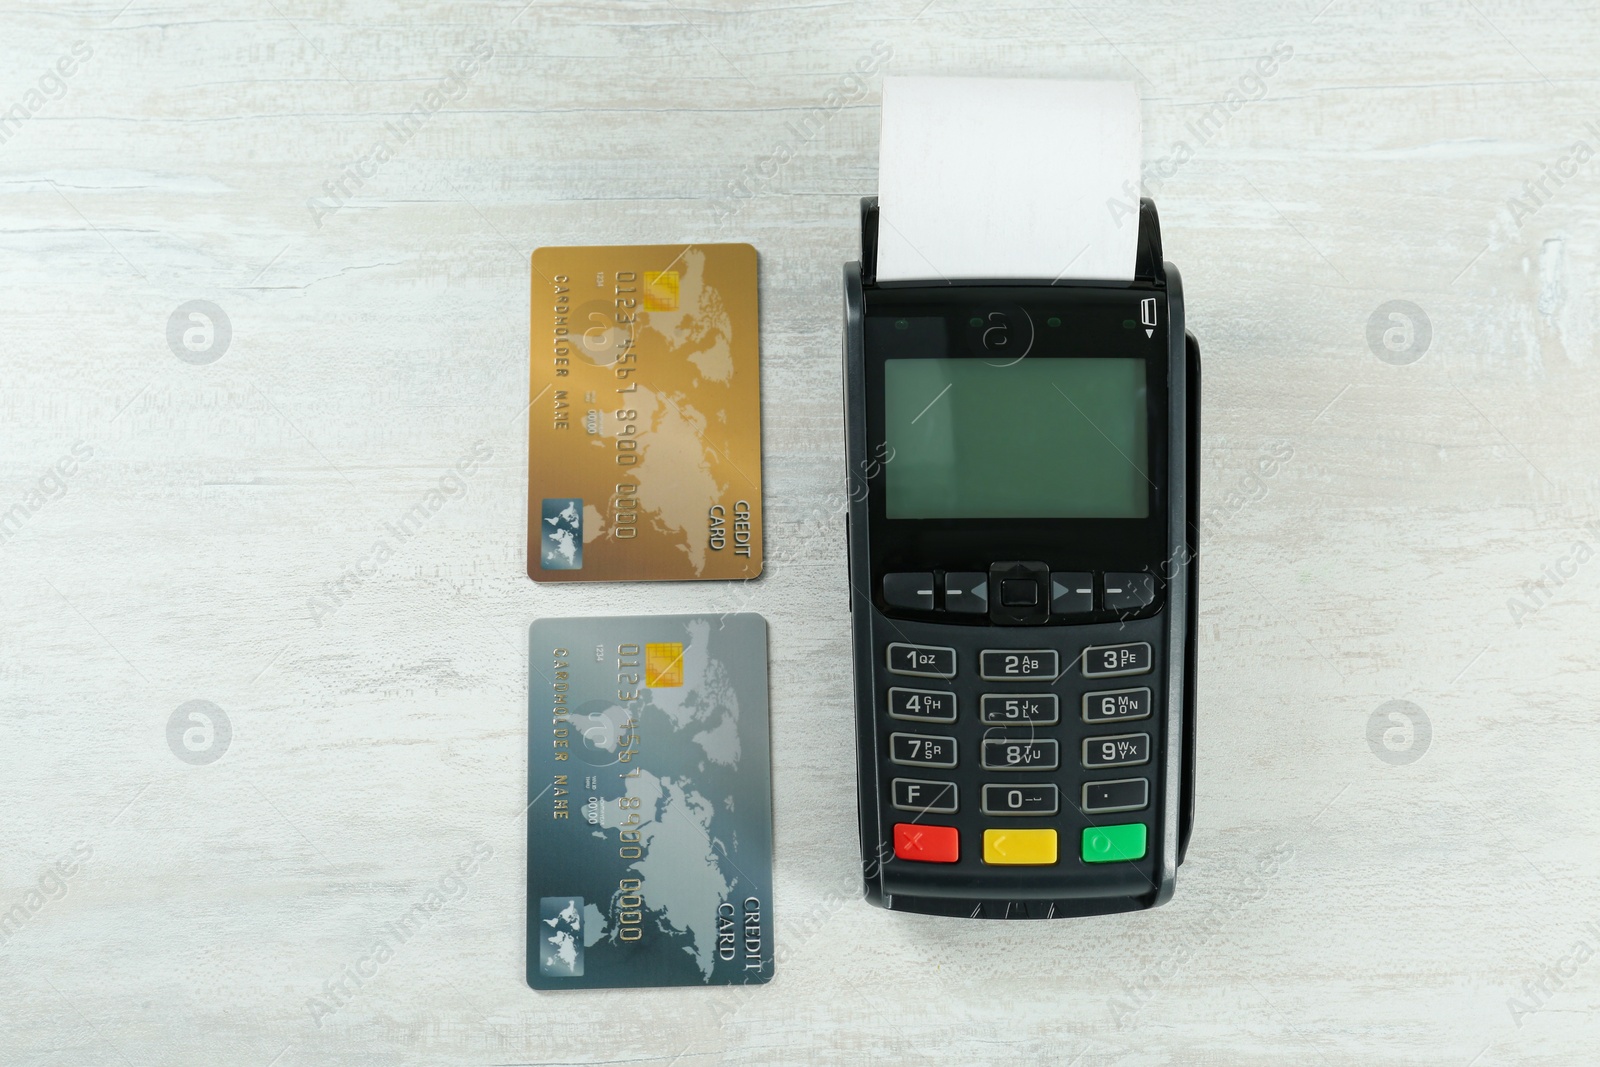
x=1019 y=593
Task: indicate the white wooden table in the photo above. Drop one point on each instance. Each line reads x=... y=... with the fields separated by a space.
x=1368 y=882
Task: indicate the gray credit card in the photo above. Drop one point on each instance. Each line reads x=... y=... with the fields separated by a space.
x=650 y=802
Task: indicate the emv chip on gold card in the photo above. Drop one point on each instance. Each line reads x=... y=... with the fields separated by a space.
x=661 y=290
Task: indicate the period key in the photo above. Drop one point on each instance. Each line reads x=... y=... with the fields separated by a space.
x=1127 y=794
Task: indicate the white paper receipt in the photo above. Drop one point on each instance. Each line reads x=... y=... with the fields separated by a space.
x=1008 y=178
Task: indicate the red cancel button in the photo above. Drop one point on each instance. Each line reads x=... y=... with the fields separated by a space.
x=926 y=844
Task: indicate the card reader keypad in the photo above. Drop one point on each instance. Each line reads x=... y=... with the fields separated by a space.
x=1021 y=741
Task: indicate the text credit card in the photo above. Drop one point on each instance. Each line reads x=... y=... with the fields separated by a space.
x=644 y=431
x=650 y=802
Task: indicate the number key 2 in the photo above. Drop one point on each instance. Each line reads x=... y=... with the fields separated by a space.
x=1004 y=665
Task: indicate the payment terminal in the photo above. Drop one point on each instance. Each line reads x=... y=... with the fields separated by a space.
x=1022 y=534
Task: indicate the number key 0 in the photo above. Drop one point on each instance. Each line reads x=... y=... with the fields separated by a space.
x=1034 y=799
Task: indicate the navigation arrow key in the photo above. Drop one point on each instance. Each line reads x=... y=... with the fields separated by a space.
x=1071 y=592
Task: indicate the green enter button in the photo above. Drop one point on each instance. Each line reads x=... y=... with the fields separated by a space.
x=1107 y=844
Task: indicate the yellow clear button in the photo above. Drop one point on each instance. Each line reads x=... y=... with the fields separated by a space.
x=1024 y=848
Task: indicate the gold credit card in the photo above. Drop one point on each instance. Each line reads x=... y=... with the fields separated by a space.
x=644 y=434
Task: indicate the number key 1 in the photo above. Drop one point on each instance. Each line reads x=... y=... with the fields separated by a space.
x=931 y=661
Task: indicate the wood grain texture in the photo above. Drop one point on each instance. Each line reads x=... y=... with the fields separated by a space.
x=1336 y=908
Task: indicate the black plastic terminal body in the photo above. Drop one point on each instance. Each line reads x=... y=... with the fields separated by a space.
x=1166 y=545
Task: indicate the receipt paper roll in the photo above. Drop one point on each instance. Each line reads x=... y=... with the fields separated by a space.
x=1008 y=178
